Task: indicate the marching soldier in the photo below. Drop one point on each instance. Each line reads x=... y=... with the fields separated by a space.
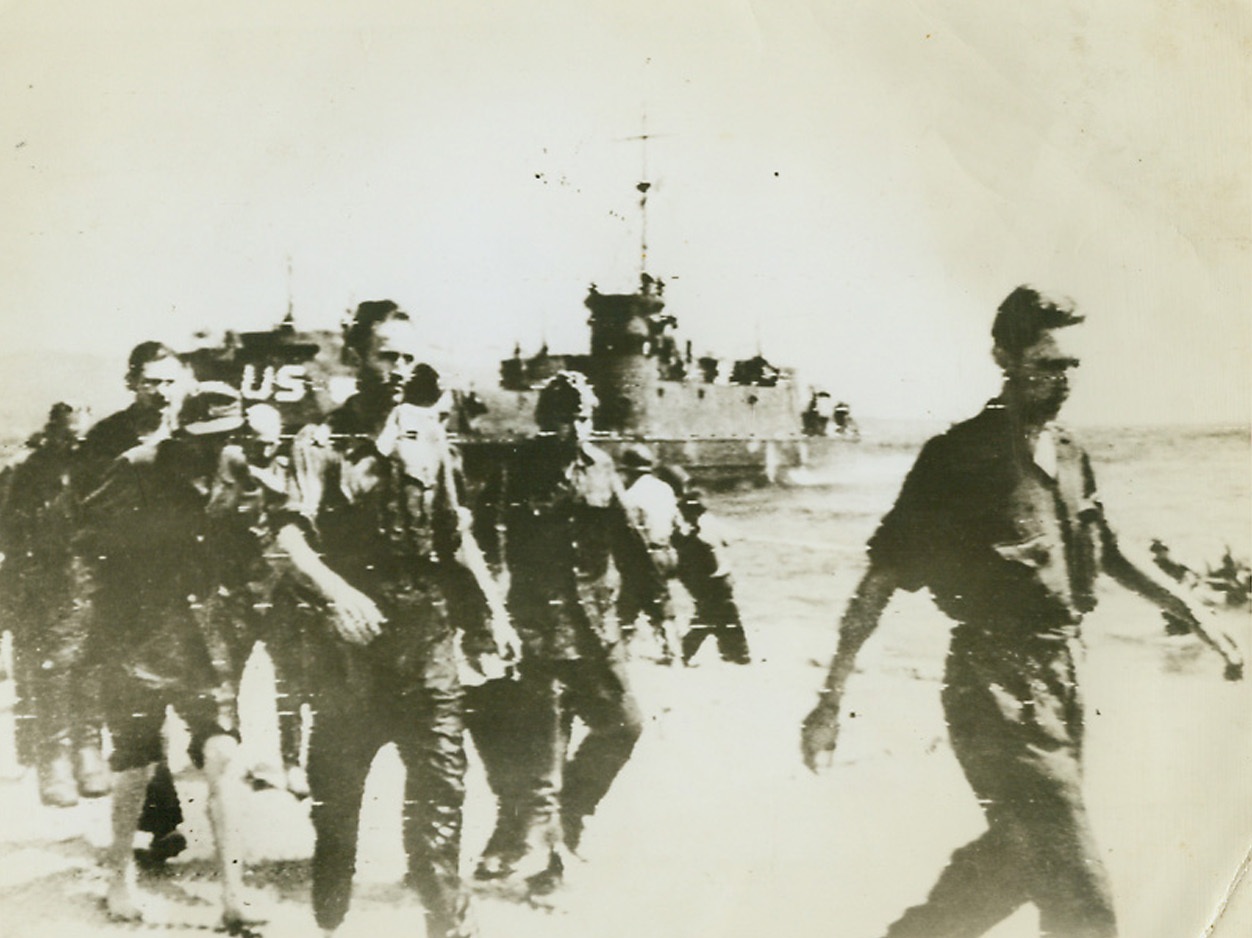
x=555 y=519
x=159 y=382
x=1000 y=519
x=168 y=543
x=372 y=529
x=60 y=726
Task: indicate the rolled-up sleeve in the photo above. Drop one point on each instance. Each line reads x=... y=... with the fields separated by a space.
x=311 y=458
x=910 y=536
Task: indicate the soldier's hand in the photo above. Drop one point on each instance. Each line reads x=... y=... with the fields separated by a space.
x=819 y=734
x=356 y=618
x=508 y=645
x=1206 y=623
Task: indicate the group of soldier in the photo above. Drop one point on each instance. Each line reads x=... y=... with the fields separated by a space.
x=145 y=556
x=185 y=528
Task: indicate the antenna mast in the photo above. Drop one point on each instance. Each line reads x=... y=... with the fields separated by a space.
x=643 y=186
x=290 y=318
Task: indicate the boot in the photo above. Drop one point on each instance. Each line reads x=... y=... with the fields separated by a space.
x=94 y=778
x=57 y=788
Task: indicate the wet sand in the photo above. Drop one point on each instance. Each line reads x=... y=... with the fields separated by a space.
x=715 y=828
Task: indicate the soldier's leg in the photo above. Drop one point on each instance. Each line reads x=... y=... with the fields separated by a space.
x=428 y=728
x=597 y=691
x=25 y=716
x=723 y=611
x=90 y=769
x=54 y=716
x=123 y=901
x=342 y=745
x=213 y=720
x=135 y=719
x=508 y=722
x=1023 y=763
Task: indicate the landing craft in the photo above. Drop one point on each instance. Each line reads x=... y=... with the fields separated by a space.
x=726 y=422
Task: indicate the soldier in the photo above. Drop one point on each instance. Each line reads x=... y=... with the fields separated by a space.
x=159 y=382
x=702 y=570
x=164 y=529
x=60 y=726
x=555 y=518
x=1000 y=520
x=373 y=529
x=653 y=510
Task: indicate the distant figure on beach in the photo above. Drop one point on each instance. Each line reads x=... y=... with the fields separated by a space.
x=701 y=546
x=999 y=518
x=653 y=509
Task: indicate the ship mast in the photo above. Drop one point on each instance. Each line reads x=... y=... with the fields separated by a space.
x=642 y=188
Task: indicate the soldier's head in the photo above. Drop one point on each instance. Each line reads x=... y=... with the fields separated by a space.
x=385 y=346
x=636 y=460
x=66 y=424
x=158 y=379
x=565 y=406
x=1031 y=347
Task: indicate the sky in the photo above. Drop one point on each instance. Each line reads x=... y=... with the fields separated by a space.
x=850 y=188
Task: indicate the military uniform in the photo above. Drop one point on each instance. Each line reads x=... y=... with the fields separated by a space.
x=557 y=524
x=42 y=586
x=1007 y=541
x=161 y=594
x=107 y=440
x=702 y=572
x=391 y=530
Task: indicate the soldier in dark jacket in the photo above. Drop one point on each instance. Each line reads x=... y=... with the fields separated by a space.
x=1000 y=520
x=168 y=545
x=555 y=520
x=159 y=382
x=59 y=728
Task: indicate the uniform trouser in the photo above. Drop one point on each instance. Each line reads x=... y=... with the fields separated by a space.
x=1017 y=732
x=426 y=726
x=60 y=686
x=596 y=691
x=508 y=722
x=716 y=614
x=523 y=734
x=287 y=653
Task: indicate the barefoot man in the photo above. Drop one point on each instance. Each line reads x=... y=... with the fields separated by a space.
x=157 y=557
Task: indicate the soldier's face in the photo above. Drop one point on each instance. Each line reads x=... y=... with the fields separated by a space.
x=1040 y=375
x=391 y=357
x=161 y=386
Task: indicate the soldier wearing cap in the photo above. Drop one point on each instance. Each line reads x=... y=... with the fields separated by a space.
x=159 y=382
x=163 y=559
x=1000 y=520
x=556 y=520
x=653 y=509
x=372 y=529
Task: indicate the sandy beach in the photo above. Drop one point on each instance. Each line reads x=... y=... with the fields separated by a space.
x=715 y=828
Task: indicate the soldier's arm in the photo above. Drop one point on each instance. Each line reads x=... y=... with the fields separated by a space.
x=353 y=614
x=1141 y=577
x=820 y=731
